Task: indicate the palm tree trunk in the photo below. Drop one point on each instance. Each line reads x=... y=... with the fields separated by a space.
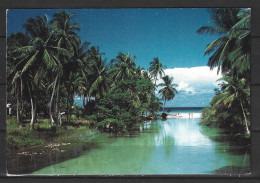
x=247 y=129
x=58 y=115
x=155 y=81
x=33 y=111
x=21 y=109
x=164 y=104
x=84 y=102
x=33 y=108
x=67 y=112
x=50 y=103
x=18 y=112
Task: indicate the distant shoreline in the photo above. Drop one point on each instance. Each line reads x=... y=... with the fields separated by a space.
x=185 y=115
x=184 y=108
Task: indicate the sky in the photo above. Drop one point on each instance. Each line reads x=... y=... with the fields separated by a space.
x=169 y=34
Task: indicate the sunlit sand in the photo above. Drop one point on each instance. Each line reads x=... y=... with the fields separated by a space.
x=184 y=115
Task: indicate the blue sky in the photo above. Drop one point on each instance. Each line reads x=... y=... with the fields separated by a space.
x=169 y=34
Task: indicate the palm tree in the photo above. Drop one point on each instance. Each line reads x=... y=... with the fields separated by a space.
x=231 y=54
x=66 y=38
x=99 y=85
x=14 y=76
x=65 y=31
x=37 y=57
x=156 y=68
x=77 y=76
x=146 y=75
x=168 y=91
x=123 y=67
x=234 y=91
x=224 y=19
x=241 y=33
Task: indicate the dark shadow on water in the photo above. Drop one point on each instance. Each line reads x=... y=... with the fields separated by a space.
x=238 y=145
x=27 y=162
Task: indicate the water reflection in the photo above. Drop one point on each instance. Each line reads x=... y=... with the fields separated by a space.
x=184 y=132
x=145 y=126
x=174 y=146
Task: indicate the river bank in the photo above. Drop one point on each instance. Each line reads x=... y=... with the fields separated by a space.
x=171 y=146
x=45 y=145
x=80 y=151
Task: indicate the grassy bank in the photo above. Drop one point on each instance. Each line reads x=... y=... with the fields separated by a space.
x=20 y=137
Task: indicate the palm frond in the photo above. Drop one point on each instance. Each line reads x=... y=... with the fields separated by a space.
x=210 y=30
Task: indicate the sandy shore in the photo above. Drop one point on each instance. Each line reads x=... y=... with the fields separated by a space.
x=184 y=115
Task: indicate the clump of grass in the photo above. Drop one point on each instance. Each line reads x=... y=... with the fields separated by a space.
x=22 y=137
x=43 y=126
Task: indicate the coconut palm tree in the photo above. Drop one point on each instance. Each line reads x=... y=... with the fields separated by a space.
x=241 y=33
x=66 y=38
x=99 y=84
x=15 y=77
x=65 y=31
x=38 y=57
x=96 y=83
x=231 y=54
x=234 y=91
x=168 y=91
x=79 y=71
x=123 y=67
x=156 y=68
x=223 y=19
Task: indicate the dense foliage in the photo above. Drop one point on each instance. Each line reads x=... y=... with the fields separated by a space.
x=49 y=65
x=230 y=108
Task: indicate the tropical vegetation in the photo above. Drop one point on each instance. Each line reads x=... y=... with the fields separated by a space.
x=230 y=53
x=49 y=65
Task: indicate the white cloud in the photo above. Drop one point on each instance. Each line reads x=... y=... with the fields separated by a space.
x=195 y=85
x=201 y=74
x=198 y=75
x=194 y=79
x=182 y=86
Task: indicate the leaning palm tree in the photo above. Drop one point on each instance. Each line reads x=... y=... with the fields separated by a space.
x=223 y=19
x=234 y=91
x=168 y=91
x=156 y=68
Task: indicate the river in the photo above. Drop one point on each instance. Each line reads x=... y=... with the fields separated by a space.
x=172 y=146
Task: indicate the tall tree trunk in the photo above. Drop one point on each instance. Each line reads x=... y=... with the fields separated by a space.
x=67 y=112
x=164 y=104
x=33 y=111
x=247 y=128
x=21 y=109
x=71 y=104
x=33 y=108
x=155 y=81
x=18 y=112
x=51 y=101
x=84 y=102
x=58 y=113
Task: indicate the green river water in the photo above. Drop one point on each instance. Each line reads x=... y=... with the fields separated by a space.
x=173 y=146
